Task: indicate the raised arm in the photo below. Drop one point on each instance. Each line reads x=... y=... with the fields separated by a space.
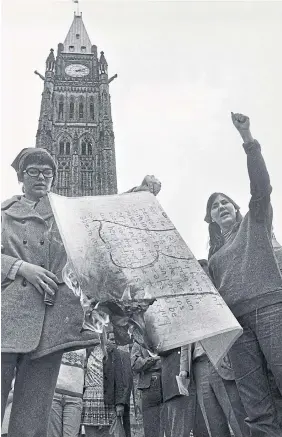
x=258 y=174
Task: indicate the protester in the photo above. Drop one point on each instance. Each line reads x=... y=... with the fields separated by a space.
x=35 y=333
x=274 y=389
x=199 y=429
x=217 y=392
x=126 y=388
x=136 y=405
x=178 y=410
x=107 y=391
x=245 y=272
x=217 y=395
x=148 y=366
x=65 y=416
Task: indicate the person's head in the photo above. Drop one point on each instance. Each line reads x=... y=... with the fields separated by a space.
x=36 y=169
x=111 y=338
x=110 y=334
x=222 y=215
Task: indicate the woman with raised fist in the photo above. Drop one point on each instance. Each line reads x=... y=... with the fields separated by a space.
x=244 y=269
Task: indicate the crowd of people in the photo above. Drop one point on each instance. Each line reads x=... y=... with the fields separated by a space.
x=58 y=381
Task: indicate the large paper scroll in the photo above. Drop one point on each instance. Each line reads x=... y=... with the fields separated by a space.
x=128 y=241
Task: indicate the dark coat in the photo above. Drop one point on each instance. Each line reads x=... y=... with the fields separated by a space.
x=170 y=369
x=29 y=326
x=140 y=363
x=118 y=379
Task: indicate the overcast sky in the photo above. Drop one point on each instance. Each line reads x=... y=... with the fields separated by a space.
x=182 y=67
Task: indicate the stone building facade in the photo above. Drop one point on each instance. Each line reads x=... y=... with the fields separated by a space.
x=75 y=122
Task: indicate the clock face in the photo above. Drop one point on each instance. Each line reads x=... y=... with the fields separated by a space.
x=77 y=70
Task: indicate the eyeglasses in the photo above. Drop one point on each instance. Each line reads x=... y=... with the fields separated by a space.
x=35 y=172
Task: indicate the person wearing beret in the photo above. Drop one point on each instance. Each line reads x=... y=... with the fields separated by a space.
x=41 y=317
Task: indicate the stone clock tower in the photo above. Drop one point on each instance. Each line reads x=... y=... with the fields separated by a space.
x=75 y=122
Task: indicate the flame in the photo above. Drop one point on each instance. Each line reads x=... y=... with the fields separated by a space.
x=126 y=294
x=97 y=320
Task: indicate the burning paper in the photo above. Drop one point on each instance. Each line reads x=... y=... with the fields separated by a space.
x=94 y=319
x=125 y=246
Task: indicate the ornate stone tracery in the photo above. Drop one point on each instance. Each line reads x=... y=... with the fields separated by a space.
x=75 y=119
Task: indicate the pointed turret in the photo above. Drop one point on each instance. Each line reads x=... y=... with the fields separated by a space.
x=77 y=39
x=103 y=64
x=50 y=61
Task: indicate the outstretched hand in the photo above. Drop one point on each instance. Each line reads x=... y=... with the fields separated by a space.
x=242 y=124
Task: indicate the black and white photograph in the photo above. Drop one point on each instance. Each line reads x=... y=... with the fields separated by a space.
x=141 y=218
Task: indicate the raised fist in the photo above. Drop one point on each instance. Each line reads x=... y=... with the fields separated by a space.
x=240 y=121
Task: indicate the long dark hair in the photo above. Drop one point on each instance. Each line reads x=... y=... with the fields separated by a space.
x=216 y=240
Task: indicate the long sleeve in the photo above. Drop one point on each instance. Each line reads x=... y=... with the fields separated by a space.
x=132 y=190
x=14 y=269
x=186 y=358
x=123 y=377
x=138 y=362
x=7 y=263
x=259 y=180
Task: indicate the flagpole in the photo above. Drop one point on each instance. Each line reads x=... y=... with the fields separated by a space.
x=77 y=6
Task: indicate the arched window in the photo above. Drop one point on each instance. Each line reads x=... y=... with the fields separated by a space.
x=63 y=177
x=83 y=148
x=64 y=147
x=92 y=111
x=61 y=109
x=86 y=147
x=68 y=148
x=71 y=110
x=80 y=110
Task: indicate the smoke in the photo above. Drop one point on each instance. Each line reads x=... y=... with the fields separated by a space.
x=95 y=319
x=127 y=315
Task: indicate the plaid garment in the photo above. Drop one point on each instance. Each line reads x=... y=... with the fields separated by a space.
x=95 y=412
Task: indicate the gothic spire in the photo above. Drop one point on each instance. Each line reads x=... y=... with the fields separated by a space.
x=77 y=39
